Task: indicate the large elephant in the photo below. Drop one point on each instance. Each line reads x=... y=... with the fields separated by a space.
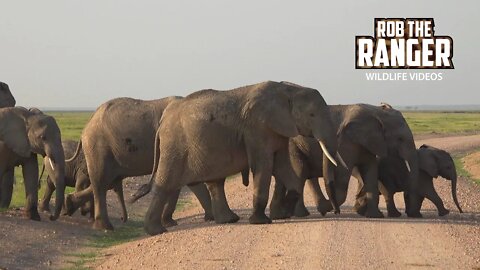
x=76 y=175
x=365 y=132
x=433 y=162
x=211 y=134
x=6 y=97
x=20 y=142
x=118 y=142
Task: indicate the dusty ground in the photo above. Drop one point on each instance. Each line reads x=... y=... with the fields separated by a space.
x=346 y=241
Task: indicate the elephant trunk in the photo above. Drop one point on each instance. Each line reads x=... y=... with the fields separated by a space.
x=454 y=193
x=328 y=177
x=414 y=204
x=55 y=164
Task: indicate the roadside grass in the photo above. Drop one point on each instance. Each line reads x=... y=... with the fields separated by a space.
x=461 y=171
x=443 y=122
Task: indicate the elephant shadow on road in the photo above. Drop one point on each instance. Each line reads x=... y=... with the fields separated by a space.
x=196 y=221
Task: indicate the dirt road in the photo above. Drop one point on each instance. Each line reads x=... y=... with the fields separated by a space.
x=346 y=241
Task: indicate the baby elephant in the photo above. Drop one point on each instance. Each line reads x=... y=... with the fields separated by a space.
x=76 y=175
x=433 y=162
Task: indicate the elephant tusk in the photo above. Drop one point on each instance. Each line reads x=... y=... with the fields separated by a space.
x=50 y=162
x=408 y=165
x=339 y=158
x=325 y=151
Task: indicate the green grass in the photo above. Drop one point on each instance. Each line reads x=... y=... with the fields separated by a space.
x=443 y=122
x=461 y=171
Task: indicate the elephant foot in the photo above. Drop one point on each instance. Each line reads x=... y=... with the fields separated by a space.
x=443 y=212
x=301 y=211
x=44 y=207
x=169 y=222
x=208 y=217
x=33 y=215
x=227 y=218
x=98 y=224
x=374 y=214
x=259 y=218
x=394 y=213
x=361 y=209
x=69 y=205
x=154 y=229
x=415 y=215
x=279 y=212
x=324 y=208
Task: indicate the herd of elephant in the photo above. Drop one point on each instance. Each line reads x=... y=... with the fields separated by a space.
x=277 y=129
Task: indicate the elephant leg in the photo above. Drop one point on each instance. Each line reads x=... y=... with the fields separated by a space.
x=30 y=176
x=278 y=207
x=432 y=195
x=83 y=194
x=153 y=217
x=167 y=215
x=389 y=201
x=413 y=209
x=118 y=188
x=300 y=209
x=369 y=174
x=323 y=205
x=6 y=189
x=201 y=192
x=45 y=202
x=102 y=221
x=221 y=209
x=262 y=176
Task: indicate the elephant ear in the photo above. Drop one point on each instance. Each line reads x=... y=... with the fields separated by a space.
x=273 y=111
x=14 y=135
x=427 y=161
x=368 y=132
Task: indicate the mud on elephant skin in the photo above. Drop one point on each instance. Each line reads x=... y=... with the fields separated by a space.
x=125 y=129
x=212 y=134
x=433 y=162
x=24 y=134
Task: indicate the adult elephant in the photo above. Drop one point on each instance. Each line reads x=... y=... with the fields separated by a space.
x=433 y=162
x=365 y=132
x=76 y=175
x=118 y=142
x=24 y=134
x=211 y=134
x=6 y=97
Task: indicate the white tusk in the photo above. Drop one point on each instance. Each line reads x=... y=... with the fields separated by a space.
x=50 y=162
x=325 y=151
x=408 y=165
x=341 y=160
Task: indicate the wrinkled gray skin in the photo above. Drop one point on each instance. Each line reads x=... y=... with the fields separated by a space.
x=76 y=175
x=433 y=162
x=24 y=134
x=118 y=142
x=364 y=132
x=211 y=134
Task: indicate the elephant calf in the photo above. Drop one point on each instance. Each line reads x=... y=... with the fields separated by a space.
x=76 y=175
x=433 y=162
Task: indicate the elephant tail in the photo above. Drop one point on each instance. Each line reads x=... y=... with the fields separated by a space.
x=245 y=175
x=77 y=151
x=146 y=188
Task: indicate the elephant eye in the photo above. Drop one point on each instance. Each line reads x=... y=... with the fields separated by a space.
x=43 y=137
x=312 y=115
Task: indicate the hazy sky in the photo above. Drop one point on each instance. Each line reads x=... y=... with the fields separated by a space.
x=82 y=53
